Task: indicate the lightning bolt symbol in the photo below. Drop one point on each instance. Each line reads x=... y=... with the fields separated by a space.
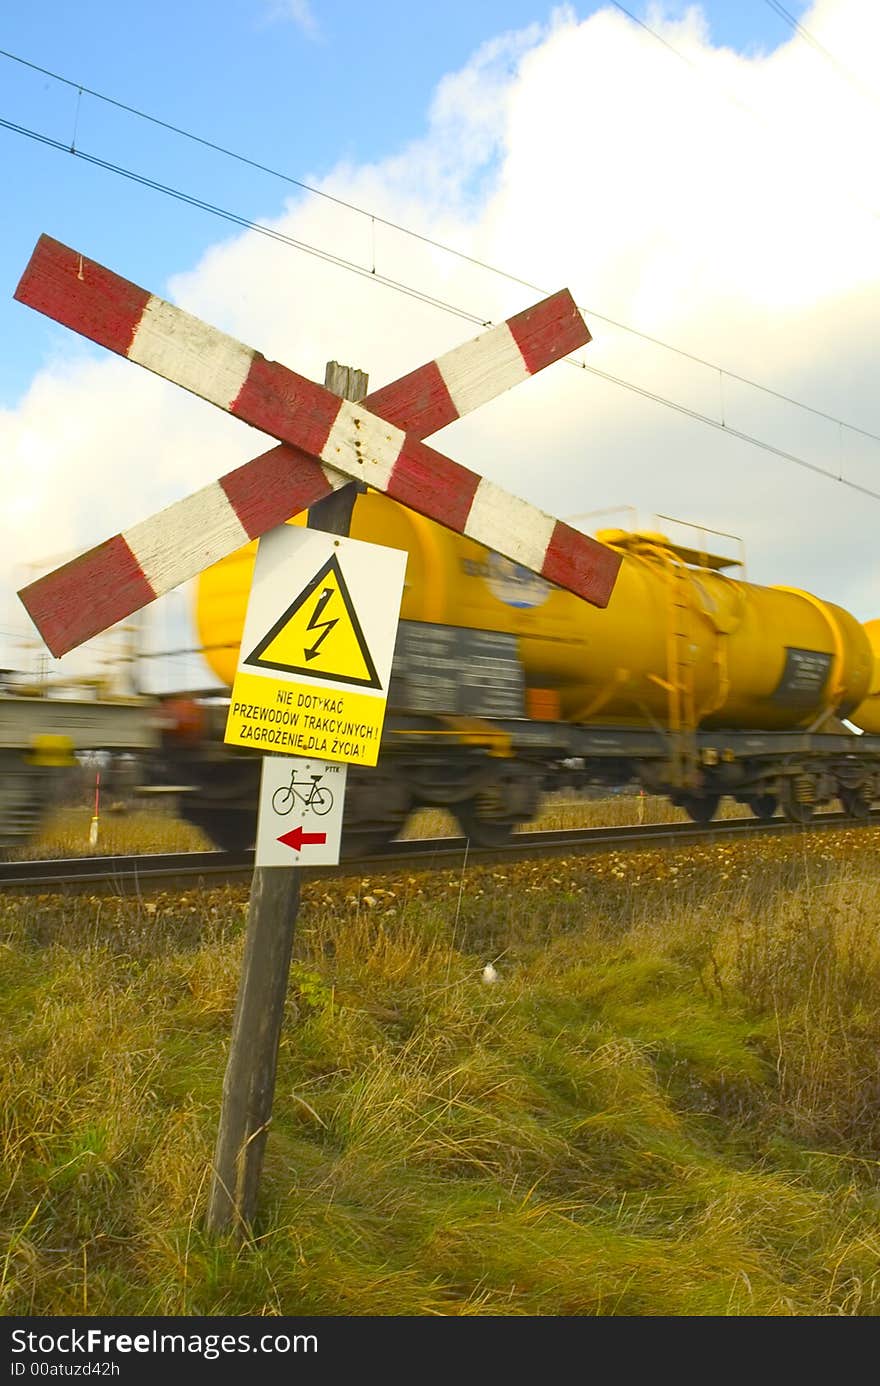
x=324 y=627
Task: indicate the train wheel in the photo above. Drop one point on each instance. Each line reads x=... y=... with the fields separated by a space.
x=377 y=805
x=231 y=830
x=763 y=806
x=700 y=808
x=856 y=802
x=796 y=798
x=480 y=830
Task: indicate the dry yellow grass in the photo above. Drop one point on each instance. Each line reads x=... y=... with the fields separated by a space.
x=666 y=1104
x=65 y=833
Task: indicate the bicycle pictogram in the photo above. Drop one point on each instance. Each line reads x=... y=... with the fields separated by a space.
x=319 y=798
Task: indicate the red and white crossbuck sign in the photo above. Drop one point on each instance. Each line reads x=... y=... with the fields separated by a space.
x=325 y=442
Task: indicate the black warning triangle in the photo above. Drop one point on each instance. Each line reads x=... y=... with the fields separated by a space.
x=319 y=634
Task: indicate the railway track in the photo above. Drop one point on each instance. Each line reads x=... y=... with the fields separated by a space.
x=133 y=875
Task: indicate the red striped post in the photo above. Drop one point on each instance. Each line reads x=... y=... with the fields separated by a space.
x=116 y=578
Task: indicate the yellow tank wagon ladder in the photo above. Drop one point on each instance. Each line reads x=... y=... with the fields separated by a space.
x=680 y=565
x=680 y=671
x=679 y=680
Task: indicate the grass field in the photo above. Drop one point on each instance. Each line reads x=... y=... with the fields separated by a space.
x=668 y=1102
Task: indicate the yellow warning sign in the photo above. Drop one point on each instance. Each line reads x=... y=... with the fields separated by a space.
x=313 y=672
x=319 y=634
x=302 y=720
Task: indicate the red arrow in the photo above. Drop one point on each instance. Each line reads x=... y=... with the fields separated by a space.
x=297 y=839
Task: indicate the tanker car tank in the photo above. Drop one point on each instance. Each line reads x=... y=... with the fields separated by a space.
x=691 y=682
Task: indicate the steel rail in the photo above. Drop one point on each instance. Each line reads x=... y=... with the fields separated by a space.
x=133 y=874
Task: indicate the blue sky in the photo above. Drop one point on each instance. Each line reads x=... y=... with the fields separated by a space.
x=712 y=186
x=298 y=85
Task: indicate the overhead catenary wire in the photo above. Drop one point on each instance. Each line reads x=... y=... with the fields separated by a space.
x=733 y=432
x=734 y=100
x=422 y=296
x=377 y=220
x=239 y=219
x=803 y=32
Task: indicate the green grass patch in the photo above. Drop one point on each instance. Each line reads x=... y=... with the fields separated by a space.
x=666 y=1104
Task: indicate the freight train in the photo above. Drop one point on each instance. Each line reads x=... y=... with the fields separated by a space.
x=45 y=734
x=691 y=684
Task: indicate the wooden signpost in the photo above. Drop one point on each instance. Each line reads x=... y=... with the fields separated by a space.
x=330 y=447
x=249 y=1080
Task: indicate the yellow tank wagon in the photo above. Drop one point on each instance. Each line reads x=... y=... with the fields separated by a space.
x=867 y=714
x=691 y=681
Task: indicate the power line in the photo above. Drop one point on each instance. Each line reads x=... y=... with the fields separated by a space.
x=239 y=220
x=809 y=38
x=397 y=226
x=412 y=292
x=743 y=106
x=726 y=428
x=653 y=32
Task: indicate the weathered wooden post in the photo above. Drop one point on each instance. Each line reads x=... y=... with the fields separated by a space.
x=249 y=1081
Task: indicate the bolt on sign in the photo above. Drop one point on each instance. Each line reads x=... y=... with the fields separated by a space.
x=316 y=651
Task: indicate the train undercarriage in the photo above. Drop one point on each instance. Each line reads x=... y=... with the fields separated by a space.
x=491 y=775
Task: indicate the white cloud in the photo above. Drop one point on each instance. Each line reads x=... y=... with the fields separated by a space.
x=581 y=155
x=299 y=11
